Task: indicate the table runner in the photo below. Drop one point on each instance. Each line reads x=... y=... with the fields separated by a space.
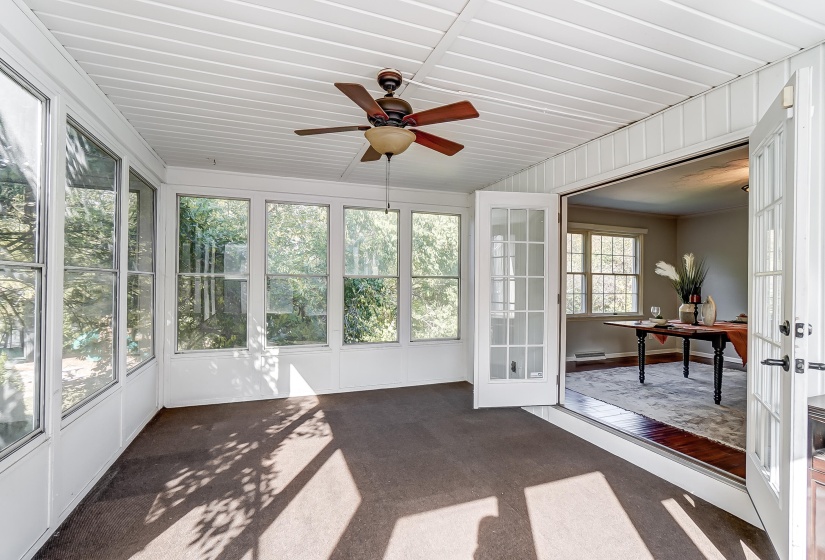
x=737 y=334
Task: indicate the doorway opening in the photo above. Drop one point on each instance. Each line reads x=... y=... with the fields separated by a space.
x=689 y=393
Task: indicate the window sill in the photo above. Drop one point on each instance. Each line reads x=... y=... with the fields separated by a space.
x=22 y=449
x=370 y=346
x=619 y=317
x=437 y=342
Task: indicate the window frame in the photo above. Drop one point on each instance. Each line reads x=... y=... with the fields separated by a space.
x=117 y=253
x=153 y=273
x=267 y=275
x=397 y=277
x=588 y=231
x=178 y=274
x=413 y=276
x=39 y=265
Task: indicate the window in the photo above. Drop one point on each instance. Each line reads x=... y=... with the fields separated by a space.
x=213 y=241
x=140 y=279
x=602 y=273
x=370 y=276
x=436 y=246
x=90 y=278
x=296 y=274
x=22 y=118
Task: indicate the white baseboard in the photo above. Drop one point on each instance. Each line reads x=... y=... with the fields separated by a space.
x=626 y=354
x=724 y=494
x=732 y=359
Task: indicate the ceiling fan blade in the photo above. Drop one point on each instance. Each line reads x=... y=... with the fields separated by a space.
x=445 y=113
x=363 y=99
x=308 y=131
x=371 y=155
x=437 y=143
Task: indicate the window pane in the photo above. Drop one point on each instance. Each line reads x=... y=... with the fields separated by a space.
x=19 y=371
x=296 y=239
x=370 y=310
x=211 y=313
x=435 y=244
x=91 y=203
x=141 y=225
x=434 y=308
x=296 y=311
x=140 y=291
x=88 y=341
x=21 y=151
x=371 y=242
x=213 y=235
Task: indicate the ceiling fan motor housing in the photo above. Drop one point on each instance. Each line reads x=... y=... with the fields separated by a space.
x=396 y=109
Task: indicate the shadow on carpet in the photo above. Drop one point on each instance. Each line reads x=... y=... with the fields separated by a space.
x=669 y=397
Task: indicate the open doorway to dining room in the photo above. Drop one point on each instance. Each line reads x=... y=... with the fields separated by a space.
x=656 y=276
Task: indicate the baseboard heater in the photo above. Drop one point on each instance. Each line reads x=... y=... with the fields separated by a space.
x=593 y=356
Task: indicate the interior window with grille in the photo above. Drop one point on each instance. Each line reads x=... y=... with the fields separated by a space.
x=603 y=271
x=436 y=246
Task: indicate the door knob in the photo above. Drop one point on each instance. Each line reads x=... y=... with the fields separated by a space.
x=785 y=327
x=784 y=363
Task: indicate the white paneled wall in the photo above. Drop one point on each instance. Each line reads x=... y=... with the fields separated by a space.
x=42 y=481
x=262 y=373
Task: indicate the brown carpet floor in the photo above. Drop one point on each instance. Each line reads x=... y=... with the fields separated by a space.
x=399 y=473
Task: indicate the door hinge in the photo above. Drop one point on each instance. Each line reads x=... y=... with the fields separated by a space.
x=799 y=365
x=787 y=97
x=559 y=217
x=558 y=299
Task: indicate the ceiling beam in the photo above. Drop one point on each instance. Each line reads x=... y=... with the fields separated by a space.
x=464 y=17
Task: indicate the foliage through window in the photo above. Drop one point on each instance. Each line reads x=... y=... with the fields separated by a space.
x=602 y=273
x=140 y=279
x=297 y=269
x=436 y=241
x=370 y=275
x=91 y=269
x=212 y=273
x=21 y=194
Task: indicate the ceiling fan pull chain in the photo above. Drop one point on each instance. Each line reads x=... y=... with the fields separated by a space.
x=387 y=210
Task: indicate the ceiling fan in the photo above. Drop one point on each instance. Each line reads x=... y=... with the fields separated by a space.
x=390 y=115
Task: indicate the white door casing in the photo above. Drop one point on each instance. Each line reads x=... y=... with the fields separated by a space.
x=516 y=299
x=780 y=160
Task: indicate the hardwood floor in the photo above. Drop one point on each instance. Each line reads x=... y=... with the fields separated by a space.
x=700 y=448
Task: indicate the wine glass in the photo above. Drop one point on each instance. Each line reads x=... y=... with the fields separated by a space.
x=655 y=310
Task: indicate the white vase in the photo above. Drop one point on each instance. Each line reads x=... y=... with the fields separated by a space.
x=686 y=313
x=709 y=312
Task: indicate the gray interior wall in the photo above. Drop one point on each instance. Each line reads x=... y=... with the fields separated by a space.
x=587 y=334
x=722 y=238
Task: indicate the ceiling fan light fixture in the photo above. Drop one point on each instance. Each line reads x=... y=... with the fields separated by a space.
x=389 y=139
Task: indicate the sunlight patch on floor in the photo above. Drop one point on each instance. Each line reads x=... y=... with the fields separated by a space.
x=581 y=517
x=314 y=521
x=692 y=530
x=449 y=532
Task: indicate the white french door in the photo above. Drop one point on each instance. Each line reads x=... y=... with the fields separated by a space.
x=516 y=299
x=780 y=158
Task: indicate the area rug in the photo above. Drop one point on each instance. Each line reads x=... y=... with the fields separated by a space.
x=668 y=397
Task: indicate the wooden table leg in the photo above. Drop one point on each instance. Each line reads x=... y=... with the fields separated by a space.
x=718 y=364
x=685 y=356
x=641 y=336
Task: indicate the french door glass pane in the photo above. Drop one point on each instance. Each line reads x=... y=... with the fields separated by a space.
x=370 y=310
x=88 y=327
x=211 y=312
x=91 y=203
x=296 y=311
x=140 y=302
x=19 y=352
x=517 y=293
x=434 y=308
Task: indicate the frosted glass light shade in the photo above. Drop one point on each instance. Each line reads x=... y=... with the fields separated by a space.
x=389 y=139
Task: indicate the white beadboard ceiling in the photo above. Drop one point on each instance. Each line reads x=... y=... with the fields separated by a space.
x=230 y=80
